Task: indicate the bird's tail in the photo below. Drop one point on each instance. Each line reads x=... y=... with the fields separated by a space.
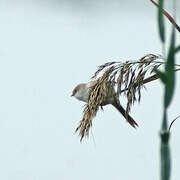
x=129 y=119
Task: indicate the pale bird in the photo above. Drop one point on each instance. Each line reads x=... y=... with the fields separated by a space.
x=81 y=92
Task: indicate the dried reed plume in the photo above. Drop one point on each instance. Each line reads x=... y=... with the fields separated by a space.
x=122 y=78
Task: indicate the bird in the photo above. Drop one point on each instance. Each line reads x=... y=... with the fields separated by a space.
x=82 y=92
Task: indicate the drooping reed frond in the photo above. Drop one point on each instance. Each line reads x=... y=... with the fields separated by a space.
x=118 y=78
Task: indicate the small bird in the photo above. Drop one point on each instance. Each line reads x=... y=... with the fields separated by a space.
x=81 y=92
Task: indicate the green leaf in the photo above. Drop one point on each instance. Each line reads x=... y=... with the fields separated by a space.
x=161 y=21
x=161 y=75
x=169 y=70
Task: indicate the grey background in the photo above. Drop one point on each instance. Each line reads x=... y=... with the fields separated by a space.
x=46 y=48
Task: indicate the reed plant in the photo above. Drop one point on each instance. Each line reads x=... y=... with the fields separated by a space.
x=130 y=77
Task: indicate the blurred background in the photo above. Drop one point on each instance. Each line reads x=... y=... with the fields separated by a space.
x=47 y=47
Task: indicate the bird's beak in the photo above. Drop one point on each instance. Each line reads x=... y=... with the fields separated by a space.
x=72 y=94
